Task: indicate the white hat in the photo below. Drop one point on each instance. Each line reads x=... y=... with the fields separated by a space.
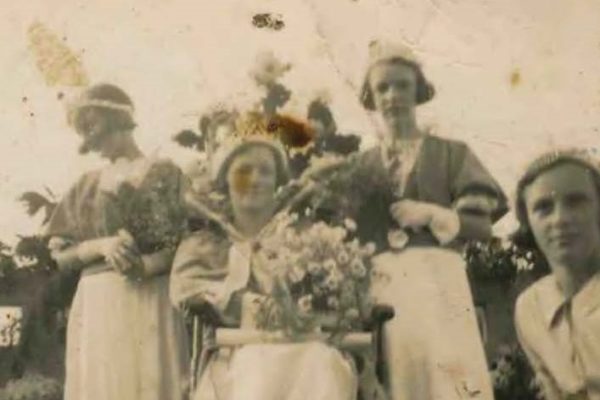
x=380 y=51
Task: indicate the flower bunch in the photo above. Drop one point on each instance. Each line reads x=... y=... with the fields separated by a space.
x=348 y=184
x=322 y=277
x=502 y=259
x=152 y=211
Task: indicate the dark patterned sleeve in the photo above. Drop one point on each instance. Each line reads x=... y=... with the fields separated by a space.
x=472 y=186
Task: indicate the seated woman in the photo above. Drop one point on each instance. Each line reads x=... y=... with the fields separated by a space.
x=558 y=318
x=213 y=269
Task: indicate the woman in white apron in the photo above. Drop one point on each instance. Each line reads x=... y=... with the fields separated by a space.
x=439 y=195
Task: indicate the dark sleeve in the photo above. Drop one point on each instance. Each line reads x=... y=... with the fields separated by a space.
x=469 y=176
x=346 y=144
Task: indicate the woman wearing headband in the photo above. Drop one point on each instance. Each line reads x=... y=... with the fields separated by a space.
x=119 y=226
x=439 y=194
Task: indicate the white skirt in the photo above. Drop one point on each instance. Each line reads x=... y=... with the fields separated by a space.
x=433 y=346
x=125 y=341
x=298 y=371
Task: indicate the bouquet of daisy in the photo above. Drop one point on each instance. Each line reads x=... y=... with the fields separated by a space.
x=321 y=278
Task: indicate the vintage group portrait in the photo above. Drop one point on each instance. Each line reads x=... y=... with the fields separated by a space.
x=300 y=199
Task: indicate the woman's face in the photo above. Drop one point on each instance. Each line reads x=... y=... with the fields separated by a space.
x=252 y=179
x=563 y=210
x=394 y=89
x=94 y=126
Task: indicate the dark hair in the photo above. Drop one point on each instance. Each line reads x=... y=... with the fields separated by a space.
x=112 y=120
x=109 y=92
x=105 y=107
x=321 y=112
x=281 y=166
x=523 y=236
x=425 y=90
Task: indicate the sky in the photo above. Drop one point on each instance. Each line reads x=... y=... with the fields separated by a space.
x=513 y=78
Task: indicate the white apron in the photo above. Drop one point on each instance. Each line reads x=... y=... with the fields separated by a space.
x=433 y=346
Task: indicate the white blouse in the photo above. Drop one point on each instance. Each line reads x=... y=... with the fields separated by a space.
x=400 y=156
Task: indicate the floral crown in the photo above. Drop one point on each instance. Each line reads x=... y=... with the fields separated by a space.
x=250 y=128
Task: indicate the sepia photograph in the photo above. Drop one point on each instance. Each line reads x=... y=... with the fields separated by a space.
x=300 y=199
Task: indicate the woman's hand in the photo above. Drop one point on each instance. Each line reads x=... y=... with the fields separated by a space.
x=251 y=304
x=443 y=222
x=120 y=252
x=412 y=214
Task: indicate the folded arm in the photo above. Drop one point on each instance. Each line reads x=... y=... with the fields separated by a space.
x=69 y=255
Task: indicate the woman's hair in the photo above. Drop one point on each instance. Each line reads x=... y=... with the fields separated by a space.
x=110 y=120
x=319 y=111
x=524 y=236
x=281 y=165
x=425 y=90
x=101 y=110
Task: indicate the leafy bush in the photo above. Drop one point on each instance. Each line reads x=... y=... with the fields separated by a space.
x=32 y=387
x=513 y=378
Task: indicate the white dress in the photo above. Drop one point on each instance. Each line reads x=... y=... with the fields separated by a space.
x=124 y=338
x=295 y=371
x=433 y=345
x=124 y=341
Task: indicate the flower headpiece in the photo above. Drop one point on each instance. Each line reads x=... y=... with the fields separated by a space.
x=102 y=95
x=251 y=129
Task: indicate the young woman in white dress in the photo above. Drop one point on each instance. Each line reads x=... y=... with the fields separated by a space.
x=213 y=269
x=439 y=196
x=124 y=338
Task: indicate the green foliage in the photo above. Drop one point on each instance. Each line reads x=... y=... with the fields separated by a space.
x=32 y=387
x=502 y=261
x=7 y=265
x=29 y=278
x=35 y=202
x=511 y=262
x=190 y=139
x=34 y=250
x=513 y=378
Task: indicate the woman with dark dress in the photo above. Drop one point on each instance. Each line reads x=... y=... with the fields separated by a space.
x=434 y=194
